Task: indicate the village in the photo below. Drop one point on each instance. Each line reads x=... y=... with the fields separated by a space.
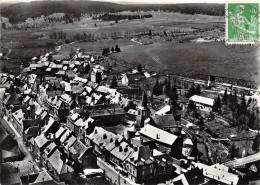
x=72 y=120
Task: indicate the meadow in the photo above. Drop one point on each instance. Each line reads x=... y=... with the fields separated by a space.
x=181 y=58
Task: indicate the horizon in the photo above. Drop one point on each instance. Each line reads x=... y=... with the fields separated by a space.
x=130 y=1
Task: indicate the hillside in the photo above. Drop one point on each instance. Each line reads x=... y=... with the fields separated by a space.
x=19 y=12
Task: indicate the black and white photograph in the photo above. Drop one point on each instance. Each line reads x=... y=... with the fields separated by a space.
x=129 y=92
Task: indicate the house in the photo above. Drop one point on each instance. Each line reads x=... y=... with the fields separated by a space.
x=8 y=147
x=41 y=177
x=51 y=127
x=68 y=143
x=59 y=133
x=82 y=154
x=40 y=142
x=132 y=78
x=22 y=121
x=99 y=139
x=139 y=166
x=164 y=141
x=165 y=122
x=203 y=103
x=217 y=175
x=96 y=76
x=36 y=67
x=56 y=164
x=48 y=151
x=106 y=115
x=120 y=153
x=30 y=133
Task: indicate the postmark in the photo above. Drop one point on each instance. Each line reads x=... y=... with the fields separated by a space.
x=242 y=23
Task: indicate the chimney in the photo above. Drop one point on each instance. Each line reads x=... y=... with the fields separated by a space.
x=104 y=136
x=126 y=149
x=120 y=149
x=157 y=136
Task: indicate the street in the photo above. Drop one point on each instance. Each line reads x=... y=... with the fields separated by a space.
x=8 y=126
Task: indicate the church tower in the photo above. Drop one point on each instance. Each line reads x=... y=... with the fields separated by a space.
x=142 y=111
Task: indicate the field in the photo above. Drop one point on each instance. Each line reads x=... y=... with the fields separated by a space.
x=212 y=58
x=182 y=58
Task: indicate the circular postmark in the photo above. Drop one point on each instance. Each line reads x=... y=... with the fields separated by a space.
x=239 y=28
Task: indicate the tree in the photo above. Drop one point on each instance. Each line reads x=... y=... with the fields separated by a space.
x=191 y=92
x=225 y=97
x=156 y=88
x=144 y=100
x=218 y=103
x=140 y=68
x=150 y=33
x=198 y=90
x=243 y=102
x=112 y=49
x=167 y=89
x=117 y=49
x=5 y=70
x=249 y=101
x=201 y=123
x=114 y=82
x=256 y=143
x=191 y=106
x=233 y=151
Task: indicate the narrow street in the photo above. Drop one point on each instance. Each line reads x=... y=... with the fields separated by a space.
x=8 y=126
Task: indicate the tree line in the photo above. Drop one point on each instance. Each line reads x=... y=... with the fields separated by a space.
x=117 y=17
x=21 y=11
x=107 y=50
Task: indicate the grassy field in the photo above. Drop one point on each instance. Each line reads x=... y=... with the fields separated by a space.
x=196 y=58
x=181 y=58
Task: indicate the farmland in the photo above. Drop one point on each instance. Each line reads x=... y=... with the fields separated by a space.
x=186 y=58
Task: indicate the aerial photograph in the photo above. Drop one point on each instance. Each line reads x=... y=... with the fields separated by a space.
x=122 y=92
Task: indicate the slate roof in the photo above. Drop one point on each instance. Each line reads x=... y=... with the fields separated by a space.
x=158 y=134
x=69 y=142
x=32 y=131
x=50 y=123
x=58 y=164
x=163 y=120
x=122 y=151
x=78 y=149
x=40 y=140
x=12 y=99
x=19 y=115
x=65 y=136
x=60 y=132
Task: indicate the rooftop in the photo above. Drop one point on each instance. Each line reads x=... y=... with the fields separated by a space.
x=202 y=100
x=158 y=134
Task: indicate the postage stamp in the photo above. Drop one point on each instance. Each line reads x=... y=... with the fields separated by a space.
x=242 y=23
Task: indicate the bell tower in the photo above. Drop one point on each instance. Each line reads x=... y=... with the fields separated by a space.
x=142 y=111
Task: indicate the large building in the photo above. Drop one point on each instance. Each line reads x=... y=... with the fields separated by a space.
x=203 y=103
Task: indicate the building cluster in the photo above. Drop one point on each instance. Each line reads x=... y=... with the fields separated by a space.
x=64 y=112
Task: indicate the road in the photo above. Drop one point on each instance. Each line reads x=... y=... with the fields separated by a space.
x=7 y=125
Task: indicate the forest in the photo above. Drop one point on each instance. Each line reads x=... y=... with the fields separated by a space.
x=19 y=12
